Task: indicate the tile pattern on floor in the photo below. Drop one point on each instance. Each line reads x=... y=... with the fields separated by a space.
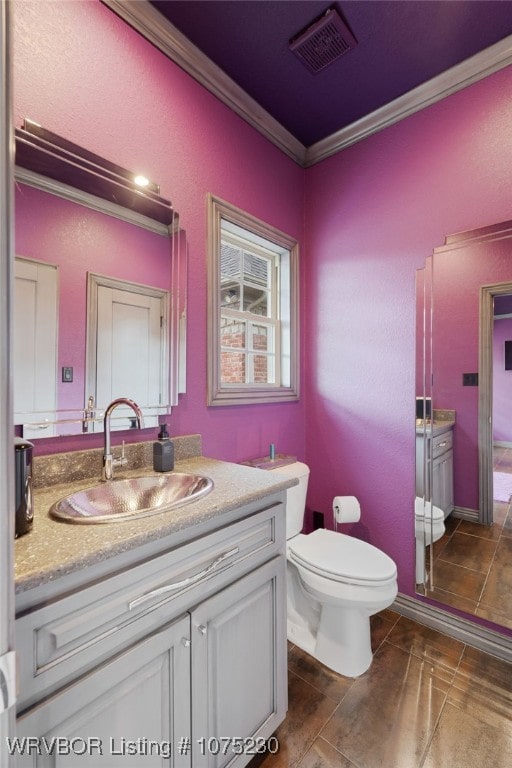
x=427 y=701
x=473 y=563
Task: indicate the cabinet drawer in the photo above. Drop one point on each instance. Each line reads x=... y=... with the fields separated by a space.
x=442 y=443
x=58 y=641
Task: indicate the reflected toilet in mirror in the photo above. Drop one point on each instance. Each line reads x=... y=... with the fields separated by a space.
x=428 y=528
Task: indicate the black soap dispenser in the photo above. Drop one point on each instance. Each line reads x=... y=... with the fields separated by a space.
x=163 y=451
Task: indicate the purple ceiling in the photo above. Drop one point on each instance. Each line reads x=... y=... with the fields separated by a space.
x=401 y=44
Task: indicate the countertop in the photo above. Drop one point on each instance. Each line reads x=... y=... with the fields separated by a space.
x=54 y=548
x=434 y=428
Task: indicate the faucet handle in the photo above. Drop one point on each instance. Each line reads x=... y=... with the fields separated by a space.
x=121 y=460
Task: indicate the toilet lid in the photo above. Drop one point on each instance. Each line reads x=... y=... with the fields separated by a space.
x=341 y=557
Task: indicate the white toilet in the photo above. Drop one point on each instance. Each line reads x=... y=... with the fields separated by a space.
x=428 y=527
x=335 y=583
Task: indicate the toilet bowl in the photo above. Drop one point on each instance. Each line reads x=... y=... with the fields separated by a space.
x=335 y=583
x=428 y=527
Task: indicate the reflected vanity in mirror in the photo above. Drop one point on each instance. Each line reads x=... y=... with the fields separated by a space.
x=464 y=424
x=100 y=302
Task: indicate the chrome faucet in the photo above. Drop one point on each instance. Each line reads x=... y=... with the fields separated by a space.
x=88 y=414
x=109 y=462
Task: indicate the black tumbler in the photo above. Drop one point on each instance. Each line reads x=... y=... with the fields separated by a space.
x=23 y=486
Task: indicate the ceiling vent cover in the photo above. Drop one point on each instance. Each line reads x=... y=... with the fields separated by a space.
x=323 y=42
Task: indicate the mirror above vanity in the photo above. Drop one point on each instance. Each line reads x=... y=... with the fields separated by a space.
x=463 y=427
x=100 y=300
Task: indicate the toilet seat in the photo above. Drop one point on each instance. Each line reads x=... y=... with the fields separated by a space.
x=342 y=558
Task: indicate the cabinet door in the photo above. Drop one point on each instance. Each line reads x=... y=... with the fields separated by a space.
x=422 y=468
x=442 y=482
x=239 y=682
x=131 y=711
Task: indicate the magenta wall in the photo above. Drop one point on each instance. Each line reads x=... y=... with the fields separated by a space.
x=83 y=73
x=374 y=213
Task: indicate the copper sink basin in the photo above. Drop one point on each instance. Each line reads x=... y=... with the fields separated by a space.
x=131 y=498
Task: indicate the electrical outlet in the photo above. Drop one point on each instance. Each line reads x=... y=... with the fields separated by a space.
x=318 y=520
x=470 y=379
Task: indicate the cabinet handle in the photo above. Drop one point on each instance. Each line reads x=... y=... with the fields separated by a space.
x=186 y=642
x=186 y=582
x=203 y=630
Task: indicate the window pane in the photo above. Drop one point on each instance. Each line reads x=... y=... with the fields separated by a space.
x=253 y=317
x=232 y=332
x=230 y=261
x=230 y=295
x=256 y=301
x=232 y=367
x=256 y=269
x=262 y=369
x=262 y=338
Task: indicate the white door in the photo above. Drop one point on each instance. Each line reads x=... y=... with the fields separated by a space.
x=35 y=346
x=129 y=351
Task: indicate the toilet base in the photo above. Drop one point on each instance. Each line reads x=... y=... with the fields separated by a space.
x=344 y=649
x=344 y=646
x=420 y=562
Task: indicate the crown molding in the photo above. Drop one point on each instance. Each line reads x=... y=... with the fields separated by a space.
x=144 y=18
x=456 y=78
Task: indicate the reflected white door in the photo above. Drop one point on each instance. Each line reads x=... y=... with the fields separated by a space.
x=129 y=348
x=35 y=346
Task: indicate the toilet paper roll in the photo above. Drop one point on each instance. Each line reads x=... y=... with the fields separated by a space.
x=346 y=509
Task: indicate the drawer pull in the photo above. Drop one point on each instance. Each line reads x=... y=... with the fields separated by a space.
x=442 y=445
x=186 y=582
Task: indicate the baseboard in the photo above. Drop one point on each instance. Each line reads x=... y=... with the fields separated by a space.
x=466 y=514
x=475 y=635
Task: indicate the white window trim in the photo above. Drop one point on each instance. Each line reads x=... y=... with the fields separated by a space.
x=287 y=344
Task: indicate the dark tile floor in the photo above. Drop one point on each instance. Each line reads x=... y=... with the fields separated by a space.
x=427 y=701
x=473 y=563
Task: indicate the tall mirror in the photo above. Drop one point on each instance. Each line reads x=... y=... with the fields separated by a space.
x=464 y=433
x=100 y=291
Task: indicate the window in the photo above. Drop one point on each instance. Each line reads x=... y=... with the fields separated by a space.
x=253 y=309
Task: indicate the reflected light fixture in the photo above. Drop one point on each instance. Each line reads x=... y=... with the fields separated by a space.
x=141 y=181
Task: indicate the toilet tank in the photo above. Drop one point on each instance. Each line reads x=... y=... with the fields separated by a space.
x=295 y=496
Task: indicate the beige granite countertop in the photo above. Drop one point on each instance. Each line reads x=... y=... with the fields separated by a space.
x=54 y=548
x=435 y=428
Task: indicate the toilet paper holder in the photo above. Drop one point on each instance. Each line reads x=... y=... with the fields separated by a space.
x=345 y=509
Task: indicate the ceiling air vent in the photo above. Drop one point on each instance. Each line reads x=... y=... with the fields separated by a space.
x=323 y=42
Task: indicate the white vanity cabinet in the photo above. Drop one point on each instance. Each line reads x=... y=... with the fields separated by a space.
x=437 y=486
x=142 y=693
x=173 y=656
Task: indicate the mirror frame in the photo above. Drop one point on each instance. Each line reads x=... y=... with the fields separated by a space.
x=495 y=238
x=52 y=164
